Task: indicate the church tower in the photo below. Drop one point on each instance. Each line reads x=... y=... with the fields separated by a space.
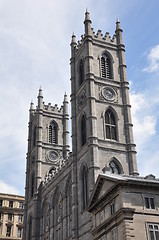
x=58 y=183
x=102 y=137
x=48 y=147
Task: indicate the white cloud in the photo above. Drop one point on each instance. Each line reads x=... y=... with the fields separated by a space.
x=6 y=188
x=153 y=60
x=143 y=120
x=144 y=116
x=34 y=46
x=149 y=166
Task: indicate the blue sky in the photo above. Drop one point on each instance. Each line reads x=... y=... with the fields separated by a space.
x=35 y=40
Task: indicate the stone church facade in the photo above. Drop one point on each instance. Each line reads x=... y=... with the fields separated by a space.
x=64 y=189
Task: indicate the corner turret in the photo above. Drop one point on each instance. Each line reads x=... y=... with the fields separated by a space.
x=119 y=32
x=87 y=23
x=31 y=105
x=40 y=99
x=65 y=127
x=73 y=45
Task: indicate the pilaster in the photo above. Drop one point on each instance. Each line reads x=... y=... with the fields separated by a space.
x=126 y=103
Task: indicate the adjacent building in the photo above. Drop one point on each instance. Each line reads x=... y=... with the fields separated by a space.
x=93 y=192
x=125 y=207
x=11 y=216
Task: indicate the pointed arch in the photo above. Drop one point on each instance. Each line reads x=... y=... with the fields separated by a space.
x=45 y=218
x=53 y=132
x=83 y=129
x=57 y=214
x=115 y=166
x=52 y=169
x=84 y=185
x=81 y=71
x=110 y=124
x=57 y=205
x=106 y=65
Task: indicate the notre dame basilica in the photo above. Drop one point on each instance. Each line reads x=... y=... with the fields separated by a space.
x=95 y=191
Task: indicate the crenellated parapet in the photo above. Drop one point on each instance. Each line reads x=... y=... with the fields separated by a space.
x=49 y=107
x=54 y=108
x=95 y=36
x=45 y=107
x=106 y=38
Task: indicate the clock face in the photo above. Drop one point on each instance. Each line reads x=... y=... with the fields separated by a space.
x=108 y=93
x=52 y=155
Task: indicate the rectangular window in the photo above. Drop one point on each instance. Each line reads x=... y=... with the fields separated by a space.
x=21 y=205
x=11 y=204
x=19 y=233
x=20 y=218
x=1 y=202
x=112 y=208
x=153 y=231
x=8 y=233
x=10 y=217
x=149 y=203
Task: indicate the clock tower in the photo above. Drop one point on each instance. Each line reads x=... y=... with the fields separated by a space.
x=59 y=184
x=102 y=136
x=48 y=147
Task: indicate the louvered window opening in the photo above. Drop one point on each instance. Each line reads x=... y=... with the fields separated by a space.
x=53 y=134
x=105 y=67
x=110 y=125
x=81 y=72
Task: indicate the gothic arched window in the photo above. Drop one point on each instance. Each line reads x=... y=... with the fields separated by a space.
x=110 y=125
x=45 y=215
x=81 y=72
x=106 y=71
x=57 y=203
x=114 y=168
x=83 y=130
x=84 y=186
x=53 y=133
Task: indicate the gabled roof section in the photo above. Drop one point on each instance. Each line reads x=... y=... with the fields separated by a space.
x=107 y=184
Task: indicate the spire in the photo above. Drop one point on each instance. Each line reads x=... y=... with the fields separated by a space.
x=40 y=92
x=119 y=32
x=87 y=16
x=31 y=105
x=73 y=45
x=73 y=39
x=87 y=23
x=65 y=104
x=118 y=24
x=65 y=98
x=40 y=98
